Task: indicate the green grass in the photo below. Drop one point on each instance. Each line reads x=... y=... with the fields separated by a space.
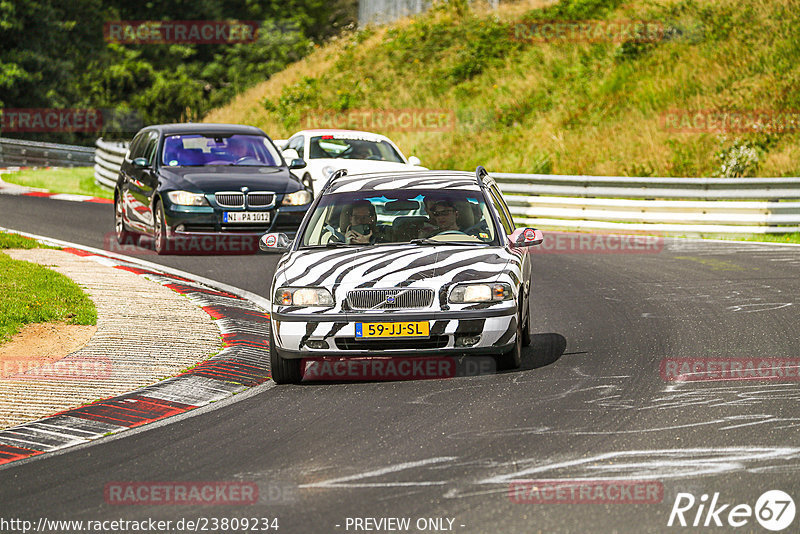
x=8 y=240
x=75 y=180
x=559 y=107
x=30 y=293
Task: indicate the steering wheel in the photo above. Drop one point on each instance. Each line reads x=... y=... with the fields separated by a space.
x=243 y=159
x=450 y=232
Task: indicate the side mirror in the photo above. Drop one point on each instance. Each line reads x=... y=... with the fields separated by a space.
x=274 y=243
x=297 y=163
x=525 y=237
x=141 y=163
x=414 y=160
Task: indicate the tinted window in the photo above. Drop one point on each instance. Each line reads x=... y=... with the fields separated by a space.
x=149 y=147
x=198 y=150
x=137 y=145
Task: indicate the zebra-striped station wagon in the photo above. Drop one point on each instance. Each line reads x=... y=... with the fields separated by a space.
x=401 y=264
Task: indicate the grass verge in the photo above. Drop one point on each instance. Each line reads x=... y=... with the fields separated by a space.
x=561 y=107
x=30 y=293
x=75 y=180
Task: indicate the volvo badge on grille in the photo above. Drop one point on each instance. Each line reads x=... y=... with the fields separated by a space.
x=390 y=299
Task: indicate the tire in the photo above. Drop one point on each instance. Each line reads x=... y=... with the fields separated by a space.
x=160 y=241
x=124 y=237
x=513 y=358
x=283 y=371
x=526 y=328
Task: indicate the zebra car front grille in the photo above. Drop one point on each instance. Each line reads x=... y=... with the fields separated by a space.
x=389 y=299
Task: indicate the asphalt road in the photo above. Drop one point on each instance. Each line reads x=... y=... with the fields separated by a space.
x=590 y=403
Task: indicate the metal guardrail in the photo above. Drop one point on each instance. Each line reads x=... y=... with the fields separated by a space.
x=691 y=205
x=688 y=205
x=21 y=153
x=108 y=159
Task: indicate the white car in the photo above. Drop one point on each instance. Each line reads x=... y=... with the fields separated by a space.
x=446 y=273
x=326 y=151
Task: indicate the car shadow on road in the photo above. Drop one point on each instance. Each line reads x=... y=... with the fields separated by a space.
x=544 y=349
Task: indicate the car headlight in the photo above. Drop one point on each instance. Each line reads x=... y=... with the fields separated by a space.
x=185 y=198
x=298 y=198
x=480 y=293
x=303 y=296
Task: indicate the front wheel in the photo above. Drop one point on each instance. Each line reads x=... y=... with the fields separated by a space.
x=284 y=371
x=513 y=358
x=160 y=241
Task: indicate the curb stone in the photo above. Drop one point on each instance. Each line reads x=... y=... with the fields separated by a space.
x=242 y=364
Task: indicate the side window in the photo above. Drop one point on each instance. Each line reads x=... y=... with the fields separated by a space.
x=149 y=152
x=502 y=211
x=137 y=146
x=297 y=145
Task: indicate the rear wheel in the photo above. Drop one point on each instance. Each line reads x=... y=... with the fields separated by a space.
x=124 y=237
x=284 y=371
x=160 y=241
x=513 y=358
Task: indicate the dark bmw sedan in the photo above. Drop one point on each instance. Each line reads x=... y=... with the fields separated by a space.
x=188 y=185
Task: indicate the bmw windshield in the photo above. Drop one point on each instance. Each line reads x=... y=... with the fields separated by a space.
x=196 y=150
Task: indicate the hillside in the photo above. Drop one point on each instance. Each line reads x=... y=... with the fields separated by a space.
x=611 y=107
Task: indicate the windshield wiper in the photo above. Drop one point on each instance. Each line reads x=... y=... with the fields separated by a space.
x=334 y=244
x=429 y=241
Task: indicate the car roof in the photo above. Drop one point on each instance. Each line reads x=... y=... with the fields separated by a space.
x=206 y=128
x=391 y=180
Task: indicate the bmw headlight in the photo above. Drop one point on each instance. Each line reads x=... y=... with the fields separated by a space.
x=185 y=198
x=480 y=293
x=303 y=296
x=298 y=198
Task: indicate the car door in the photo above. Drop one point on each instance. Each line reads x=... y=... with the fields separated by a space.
x=129 y=203
x=143 y=181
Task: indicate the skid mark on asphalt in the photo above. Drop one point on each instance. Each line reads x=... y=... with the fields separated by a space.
x=496 y=477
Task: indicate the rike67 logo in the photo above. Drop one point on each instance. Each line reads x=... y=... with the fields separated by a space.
x=774 y=510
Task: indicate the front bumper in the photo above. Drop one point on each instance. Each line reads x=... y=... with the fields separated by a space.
x=293 y=332
x=208 y=220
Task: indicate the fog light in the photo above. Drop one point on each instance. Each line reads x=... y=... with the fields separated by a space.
x=180 y=228
x=467 y=341
x=317 y=344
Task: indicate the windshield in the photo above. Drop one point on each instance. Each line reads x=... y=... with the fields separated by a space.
x=335 y=146
x=418 y=216
x=197 y=150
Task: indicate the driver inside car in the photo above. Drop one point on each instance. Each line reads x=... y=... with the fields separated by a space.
x=444 y=215
x=239 y=149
